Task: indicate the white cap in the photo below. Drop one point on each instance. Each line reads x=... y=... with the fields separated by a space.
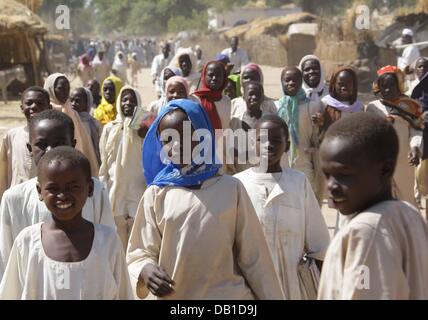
x=407 y=32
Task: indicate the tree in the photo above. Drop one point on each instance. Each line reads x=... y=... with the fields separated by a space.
x=49 y=6
x=154 y=16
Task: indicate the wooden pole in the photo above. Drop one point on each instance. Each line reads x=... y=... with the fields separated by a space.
x=33 y=59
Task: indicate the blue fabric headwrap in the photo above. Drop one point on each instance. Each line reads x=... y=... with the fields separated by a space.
x=160 y=174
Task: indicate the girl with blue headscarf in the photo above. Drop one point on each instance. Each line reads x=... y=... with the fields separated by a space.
x=196 y=234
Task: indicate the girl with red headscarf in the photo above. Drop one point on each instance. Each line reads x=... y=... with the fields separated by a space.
x=210 y=96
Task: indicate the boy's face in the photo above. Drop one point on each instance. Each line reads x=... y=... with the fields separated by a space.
x=79 y=101
x=128 y=103
x=62 y=89
x=253 y=97
x=354 y=181
x=234 y=42
x=176 y=90
x=421 y=67
x=167 y=74
x=165 y=51
x=34 y=102
x=109 y=91
x=344 y=86
x=230 y=89
x=312 y=73
x=94 y=87
x=215 y=76
x=250 y=75
x=292 y=82
x=277 y=142
x=389 y=87
x=46 y=135
x=64 y=189
x=185 y=65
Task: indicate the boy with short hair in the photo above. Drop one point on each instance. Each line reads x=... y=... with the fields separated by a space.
x=16 y=165
x=66 y=257
x=380 y=252
x=21 y=206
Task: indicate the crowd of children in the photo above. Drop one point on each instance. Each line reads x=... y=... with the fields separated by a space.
x=100 y=201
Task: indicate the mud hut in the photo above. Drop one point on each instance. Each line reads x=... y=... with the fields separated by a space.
x=22 y=40
x=268 y=42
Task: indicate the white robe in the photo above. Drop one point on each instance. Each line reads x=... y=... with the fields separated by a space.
x=291 y=220
x=239 y=111
x=32 y=275
x=410 y=55
x=240 y=114
x=158 y=64
x=16 y=164
x=22 y=208
x=212 y=249
x=380 y=253
x=239 y=58
x=129 y=188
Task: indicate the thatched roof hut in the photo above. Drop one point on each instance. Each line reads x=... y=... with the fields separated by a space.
x=33 y=5
x=21 y=39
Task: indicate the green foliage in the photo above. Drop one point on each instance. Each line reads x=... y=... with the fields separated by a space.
x=198 y=21
x=159 y=16
x=156 y=16
x=50 y=5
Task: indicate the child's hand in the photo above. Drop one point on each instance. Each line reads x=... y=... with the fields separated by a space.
x=157 y=280
x=414 y=157
x=318 y=119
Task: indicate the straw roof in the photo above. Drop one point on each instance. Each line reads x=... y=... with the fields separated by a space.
x=274 y=26
x=18 y=18
x=33 y=5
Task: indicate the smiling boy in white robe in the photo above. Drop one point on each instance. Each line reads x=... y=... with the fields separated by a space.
x=21 y=206
x=287 y=208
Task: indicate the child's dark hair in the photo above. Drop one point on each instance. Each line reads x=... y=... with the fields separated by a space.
x=291 y=68
x=275 y=119
x=333 y=80
x=52 y=115
x=254 y=83
x=66 y=154
x=369 y=133
x=37 y=89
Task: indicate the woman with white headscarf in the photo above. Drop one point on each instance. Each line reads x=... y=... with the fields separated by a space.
x=186 y=60
x=121 y=171
x=58 y=86
x=310 y=130
x=120 y=67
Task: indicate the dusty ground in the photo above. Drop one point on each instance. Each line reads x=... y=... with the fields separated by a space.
x=11 y=116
